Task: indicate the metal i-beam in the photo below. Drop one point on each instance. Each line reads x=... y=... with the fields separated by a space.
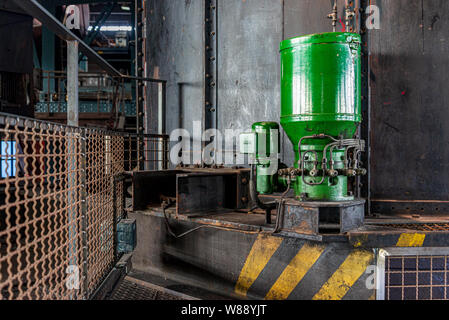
x=365 y=130
x=33 y=8
x=139 y=70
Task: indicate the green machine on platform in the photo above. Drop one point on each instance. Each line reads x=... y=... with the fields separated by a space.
x=320 y=114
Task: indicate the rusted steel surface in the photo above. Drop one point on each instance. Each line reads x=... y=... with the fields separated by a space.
x=230 y=191
x=59 y=200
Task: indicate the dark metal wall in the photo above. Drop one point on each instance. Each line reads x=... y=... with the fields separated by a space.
x=175 y=53
x=409 y=83
x=409 y=76
x=16 y=53
x=249 y=33
x=248 y=63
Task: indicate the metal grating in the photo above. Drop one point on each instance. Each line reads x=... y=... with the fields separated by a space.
x=420 y=226
x=417 y=277
x=130 y=290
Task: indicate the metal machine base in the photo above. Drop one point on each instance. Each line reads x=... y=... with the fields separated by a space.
x=315 y=217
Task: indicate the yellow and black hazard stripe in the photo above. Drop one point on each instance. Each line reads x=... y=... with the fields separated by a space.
x=277 y=268
x=398 y=239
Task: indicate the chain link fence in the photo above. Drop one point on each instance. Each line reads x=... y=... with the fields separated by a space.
x=60 y=200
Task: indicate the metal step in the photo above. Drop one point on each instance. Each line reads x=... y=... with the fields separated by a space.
x=134 y=289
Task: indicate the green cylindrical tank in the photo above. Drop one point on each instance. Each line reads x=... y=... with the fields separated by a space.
x=267 y=149
x=321 y=94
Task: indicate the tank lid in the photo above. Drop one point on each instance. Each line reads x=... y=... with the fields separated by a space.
x=265 y=125
x=327 y=37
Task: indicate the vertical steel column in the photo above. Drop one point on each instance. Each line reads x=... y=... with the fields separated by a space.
x=366 y=104
x=210 y=63
x=139 y=70
x=72 y=84
x=162 y=98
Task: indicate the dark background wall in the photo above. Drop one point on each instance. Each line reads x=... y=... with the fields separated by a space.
x=248 y=80
x=16 y=55
x=175 y=53
x=410 y=95
x=409 y=78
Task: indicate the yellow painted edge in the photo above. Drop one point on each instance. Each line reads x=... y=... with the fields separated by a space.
x=294 y=272
x=346 y=275
x=411 y=240
x=261 y=252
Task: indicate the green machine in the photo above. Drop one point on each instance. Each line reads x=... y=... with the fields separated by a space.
x=320 y=114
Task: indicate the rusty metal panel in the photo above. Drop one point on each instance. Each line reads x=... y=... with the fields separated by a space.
x=351 y=217
x=199 y=193
x=149 y=188
x=321 y=217
x=300 y=219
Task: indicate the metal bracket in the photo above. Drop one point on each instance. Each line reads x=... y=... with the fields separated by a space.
x=139 y=71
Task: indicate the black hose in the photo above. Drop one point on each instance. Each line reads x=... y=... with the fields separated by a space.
x=280 y=211
x=268 y=206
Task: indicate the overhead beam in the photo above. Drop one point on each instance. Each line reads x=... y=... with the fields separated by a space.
x=35 y=9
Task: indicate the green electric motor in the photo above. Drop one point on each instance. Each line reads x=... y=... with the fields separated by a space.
x=320 y=111
x=262 y=144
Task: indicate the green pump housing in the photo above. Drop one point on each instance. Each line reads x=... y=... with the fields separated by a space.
x=321 y=95
x=262 y=143
x=320 y=113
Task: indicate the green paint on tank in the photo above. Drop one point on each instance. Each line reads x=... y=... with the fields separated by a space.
x=320 y=94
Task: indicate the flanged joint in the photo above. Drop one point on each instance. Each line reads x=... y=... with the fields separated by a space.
x=332 y=173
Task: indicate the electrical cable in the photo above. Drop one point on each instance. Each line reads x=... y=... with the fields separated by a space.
x=173 y=234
